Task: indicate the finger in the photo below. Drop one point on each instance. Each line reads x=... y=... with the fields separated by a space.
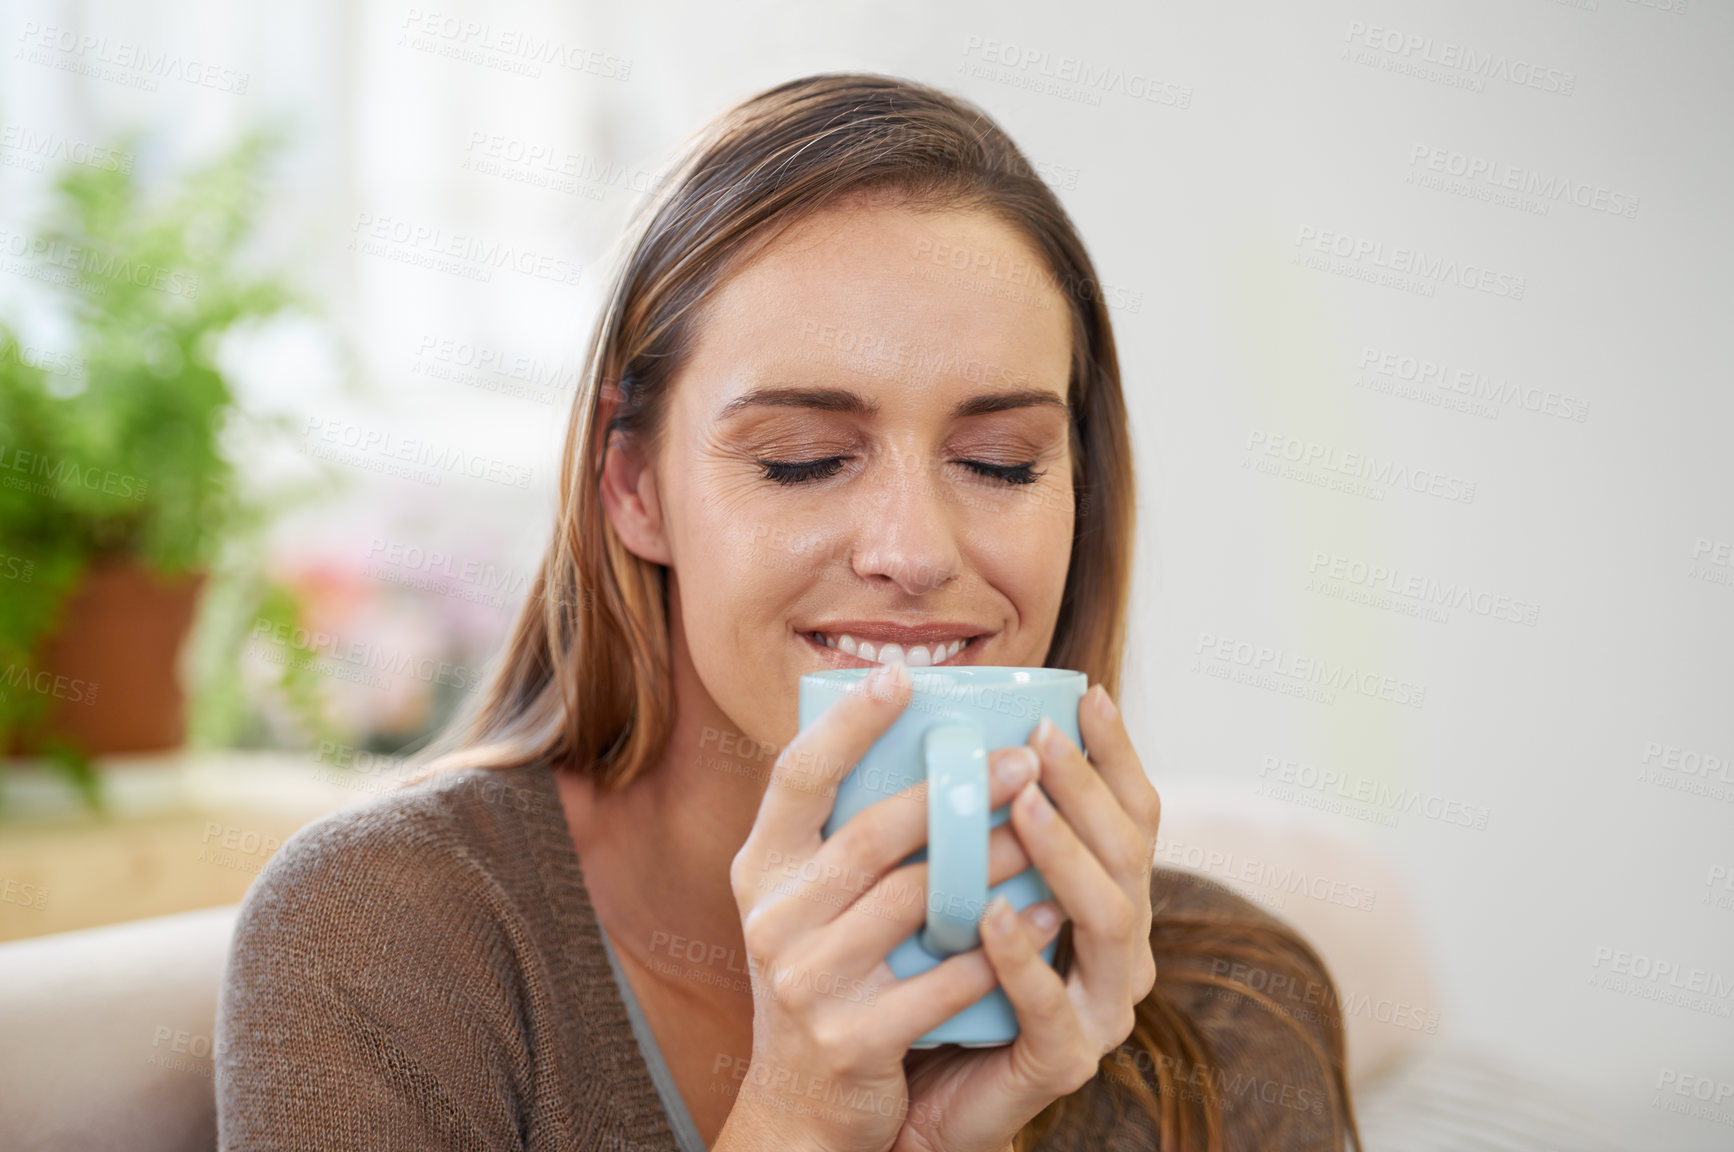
x=1104 y=920
x=1091 y=807
x=1116 y=761
x=916 y=1006
x=1049 y=1028
x=803 y=785
x=897 y=905
x=881 y=836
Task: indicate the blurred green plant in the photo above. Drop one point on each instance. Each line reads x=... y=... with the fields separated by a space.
x=119 y=446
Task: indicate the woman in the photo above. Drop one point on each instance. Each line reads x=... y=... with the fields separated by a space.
x=853 y=400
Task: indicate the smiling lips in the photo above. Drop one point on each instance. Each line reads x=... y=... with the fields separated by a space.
x=891 y=652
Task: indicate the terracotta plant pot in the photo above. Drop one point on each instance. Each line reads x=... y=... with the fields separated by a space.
x=111 y=667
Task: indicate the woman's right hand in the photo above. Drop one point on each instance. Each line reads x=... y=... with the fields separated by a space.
x=831 y=1023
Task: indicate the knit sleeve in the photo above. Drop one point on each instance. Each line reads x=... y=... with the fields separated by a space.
x=370 y=997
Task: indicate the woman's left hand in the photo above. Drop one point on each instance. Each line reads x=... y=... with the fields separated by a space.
x=1095 y=852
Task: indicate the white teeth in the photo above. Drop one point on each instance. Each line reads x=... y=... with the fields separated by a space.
x=918 y=656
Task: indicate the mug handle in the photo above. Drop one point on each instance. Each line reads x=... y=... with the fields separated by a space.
x=957 y=828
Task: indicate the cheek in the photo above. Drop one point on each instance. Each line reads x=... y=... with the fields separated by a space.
x=1033 y=532
x=1025 y=555
x=771 y=552
x=744 y=566
x=743 y=532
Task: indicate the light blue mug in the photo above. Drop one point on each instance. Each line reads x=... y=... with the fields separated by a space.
x=955 y=716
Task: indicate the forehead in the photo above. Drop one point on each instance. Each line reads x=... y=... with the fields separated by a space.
x=883 y=294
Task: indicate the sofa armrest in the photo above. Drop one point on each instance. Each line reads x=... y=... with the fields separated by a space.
x=106 y=1033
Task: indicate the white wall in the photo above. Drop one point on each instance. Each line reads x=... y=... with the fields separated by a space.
x=1615 y=528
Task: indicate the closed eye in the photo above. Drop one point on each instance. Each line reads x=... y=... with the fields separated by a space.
x=803 y=471
x=1010 y=473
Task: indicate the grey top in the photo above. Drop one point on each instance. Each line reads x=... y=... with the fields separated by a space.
x=679 y=1119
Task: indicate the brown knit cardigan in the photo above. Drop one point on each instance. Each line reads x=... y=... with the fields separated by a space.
x=425 y=971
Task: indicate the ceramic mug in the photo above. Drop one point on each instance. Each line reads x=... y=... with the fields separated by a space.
x=954 y=717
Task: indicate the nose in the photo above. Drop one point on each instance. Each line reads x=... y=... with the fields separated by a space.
x=904 y=529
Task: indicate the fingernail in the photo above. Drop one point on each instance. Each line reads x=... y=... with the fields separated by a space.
x=890 y=677
x=1046 y=917
x=1000 y=916
x=1036 y=804
x=1105 y=707
x=1015 y=766
x=1049 y=736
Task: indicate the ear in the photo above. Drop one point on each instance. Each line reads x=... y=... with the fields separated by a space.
x=632 y=502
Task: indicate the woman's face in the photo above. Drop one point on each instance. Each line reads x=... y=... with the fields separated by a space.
x=866 y=458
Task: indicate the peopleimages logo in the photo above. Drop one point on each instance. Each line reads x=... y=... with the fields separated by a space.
x=1712 y=561
x=364 y=655
x=414 y=458
x=1012 y=270
x=409 y=242
x=1361 y=250
x=550 y=166
x=36 y=356
x=1276 y=771
x=1447 y=54
x=1689 y=770
x=920 y=360
x=519 y=50
x=1701 y=1097
x=1358 y=466
x=37 y=149
x=43 y=683
x=1284 y=878
x=431 y=570
x=1523 y=181
x=87 y=264
x=1072 y=78
x=1393 y=581
x=118 y=60
x=1474 y=386
x=49 y=476
x=1265 y=666
x=1662 y=980
x=447 y=359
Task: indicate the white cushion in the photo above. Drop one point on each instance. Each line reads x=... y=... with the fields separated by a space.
x=1362 y=927
x=105 y=1035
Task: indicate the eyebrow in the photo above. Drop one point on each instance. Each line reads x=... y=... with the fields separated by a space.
x=852 y=403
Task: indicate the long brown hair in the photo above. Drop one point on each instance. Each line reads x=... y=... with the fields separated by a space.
x=585 y=680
